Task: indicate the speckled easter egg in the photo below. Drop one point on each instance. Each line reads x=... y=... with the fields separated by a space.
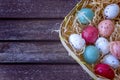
x=76 y=41
x=104 y=70
x=103 y=45
x=111 y=60
x=115 y=48
x=85 y=15
x=106 y=27
x=111 y=11
x=90 y=34
x=91 y=54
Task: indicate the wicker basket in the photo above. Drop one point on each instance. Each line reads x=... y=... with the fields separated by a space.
x=71 y=25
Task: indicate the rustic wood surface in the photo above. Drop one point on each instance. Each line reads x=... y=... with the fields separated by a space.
x=29 y=29
x=35 y=8
x=37 y=52
x=42 y=72
x=30 y=48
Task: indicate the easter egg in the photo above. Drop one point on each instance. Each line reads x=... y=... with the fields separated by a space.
x=115 y=48
x=85 y=15
x=76 y=41
x=111 y=11
x=104 y=70
x=106 y=27
x=91 y=54
x=103 y=45
x=90 y=34
x=111 y=60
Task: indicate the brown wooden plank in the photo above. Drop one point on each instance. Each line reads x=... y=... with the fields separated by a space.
x=29 y=29
x=35 y=8
x=42 y=72
x=42 y=52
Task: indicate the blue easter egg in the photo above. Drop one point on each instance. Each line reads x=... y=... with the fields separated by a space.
x=91 y=54
x=85 y=15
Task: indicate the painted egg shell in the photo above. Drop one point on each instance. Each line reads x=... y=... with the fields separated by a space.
x=104 y=70
x=103 y=45
x=91 y=54
x=115 y=48
x=106 y=27
x=76 y=41
x=90 y=34
x=111 y=60
x=111 y=11
x=85 y=15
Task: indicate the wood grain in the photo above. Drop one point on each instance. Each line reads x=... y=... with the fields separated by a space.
x=29 y=29
x=42 y=72
x=33 y=52
x=35 y=8
x=27 y=36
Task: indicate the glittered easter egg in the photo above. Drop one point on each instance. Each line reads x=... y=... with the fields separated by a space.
x=91 y=54
x=111 y=60
x=104 y=70
x=115 y=48
x=111 y=11
x=85 y=15
x=76 y=41
x=106 y=28
x=90 y=34
x=103 y=45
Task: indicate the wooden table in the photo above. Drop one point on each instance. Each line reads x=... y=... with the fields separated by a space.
x=29 y=47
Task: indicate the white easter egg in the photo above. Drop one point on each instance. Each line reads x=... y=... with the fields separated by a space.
x=103 y=45
x=76 y=41
x=111 y=11
x=111 y=60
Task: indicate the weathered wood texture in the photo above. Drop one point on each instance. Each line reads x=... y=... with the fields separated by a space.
x=27 y=36
x=34 y=52
x=32 y=29
x=29 y=29
x=35 y=8
x=42 y=72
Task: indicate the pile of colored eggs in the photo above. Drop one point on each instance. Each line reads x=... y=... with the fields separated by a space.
x=94 y=39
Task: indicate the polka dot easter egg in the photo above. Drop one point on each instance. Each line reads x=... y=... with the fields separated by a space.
x=76 y=41
x=85 y=15
x=111 y=11
x=106 y=28
x=111 y=60
x=103 y=45
x=115 y=48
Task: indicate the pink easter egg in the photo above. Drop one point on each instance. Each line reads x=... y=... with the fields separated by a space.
x=115 y=48
x=105 y=27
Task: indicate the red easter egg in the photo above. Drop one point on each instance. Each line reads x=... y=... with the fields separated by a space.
x=90 y=34
x=115 y=48
x=104 y=70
